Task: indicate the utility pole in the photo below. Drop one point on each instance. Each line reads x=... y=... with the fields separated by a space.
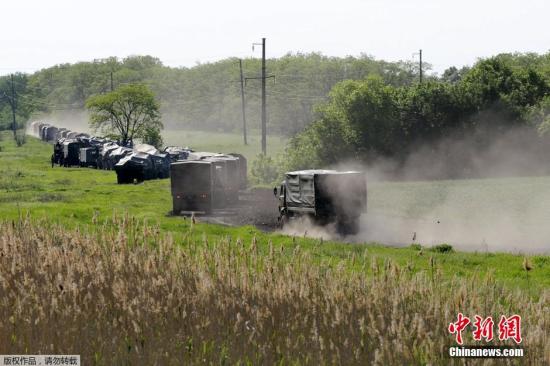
x=242 y=101
x=420 y=53
x=264 y=127
x=263 y=77
x=14 y=125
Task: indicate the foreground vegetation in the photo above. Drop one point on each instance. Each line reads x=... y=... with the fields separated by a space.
x=123 y=292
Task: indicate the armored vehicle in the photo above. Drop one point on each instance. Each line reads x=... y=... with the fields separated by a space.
x=177 y=153
x=72 y=135
x=43 y=131
x=104 y=152
x=161 y=165
x=59 y=133
x=112 y=154
x=71 y=151
x=51 y=133
x=58 y=152
x=135 y=167
x=325 y=196
x=35 y=128
x=88 y=156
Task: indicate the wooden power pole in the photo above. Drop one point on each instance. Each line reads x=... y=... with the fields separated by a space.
x=263 y=77
x=242 y=102
x=12 y=104
x=420 y=56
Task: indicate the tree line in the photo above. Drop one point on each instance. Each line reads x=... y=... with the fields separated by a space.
x=366 y=120
x=206 y=96
x=335 y=109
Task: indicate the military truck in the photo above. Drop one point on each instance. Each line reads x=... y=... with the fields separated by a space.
x=243 y=169
x=228 y=178
x=325 y=196
x=58 y=151
x=88 y=156
x=193 y=186
x=71 y=151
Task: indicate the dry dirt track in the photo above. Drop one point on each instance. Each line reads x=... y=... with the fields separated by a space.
x=257 y=208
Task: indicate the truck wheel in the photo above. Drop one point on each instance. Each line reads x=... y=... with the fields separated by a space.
x=348 y=226
x=176 y=206
x=283 y=220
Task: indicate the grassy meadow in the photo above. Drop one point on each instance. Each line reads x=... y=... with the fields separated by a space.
x=159 y=285
x=224 y=142
x=128 y=294
x=78 y=197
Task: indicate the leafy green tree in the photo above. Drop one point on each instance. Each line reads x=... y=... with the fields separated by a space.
x=128 y=112
x=264 y=170
x=505 y=90
x=367 y=119
x=453 y=75
x=539 y=116
x=152 y=137
x=22 y=101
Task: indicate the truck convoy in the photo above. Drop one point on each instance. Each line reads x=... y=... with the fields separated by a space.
x=325 y=196
x=131 y=163
x=204 y=181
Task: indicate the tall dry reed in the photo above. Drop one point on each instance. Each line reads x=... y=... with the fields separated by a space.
x=126 y=294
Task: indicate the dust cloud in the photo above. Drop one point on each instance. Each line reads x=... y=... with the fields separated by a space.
x=74 y=120
x=474 y=196
x=305 y=227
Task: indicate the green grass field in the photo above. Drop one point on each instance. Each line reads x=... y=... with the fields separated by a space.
x=505 y=214
x=224 y=142
x=85 y=197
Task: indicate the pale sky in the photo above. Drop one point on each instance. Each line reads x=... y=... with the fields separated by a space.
x=36 y=34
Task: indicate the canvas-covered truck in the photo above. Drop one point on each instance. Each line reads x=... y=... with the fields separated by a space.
x=192 y=185
x=325 y=196
x=71 y=151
